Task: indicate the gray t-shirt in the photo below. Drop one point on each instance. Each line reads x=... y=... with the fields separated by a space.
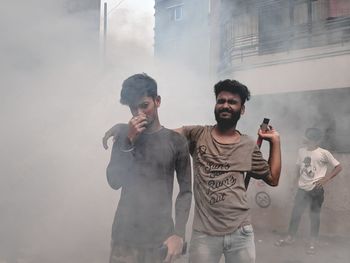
x=219 y=172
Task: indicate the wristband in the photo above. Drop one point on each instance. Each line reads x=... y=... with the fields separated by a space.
x=128 y=150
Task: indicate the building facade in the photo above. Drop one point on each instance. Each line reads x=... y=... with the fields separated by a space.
x=295 y=56
x=271 y=34
x=89 y=12
x=181 y=32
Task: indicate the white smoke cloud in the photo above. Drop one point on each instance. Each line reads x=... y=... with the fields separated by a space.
x=58 y=97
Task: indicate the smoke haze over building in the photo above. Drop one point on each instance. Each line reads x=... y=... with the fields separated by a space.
x=59 y=94
x=58 y=97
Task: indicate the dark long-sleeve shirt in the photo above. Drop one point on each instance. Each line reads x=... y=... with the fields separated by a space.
x=146 y=177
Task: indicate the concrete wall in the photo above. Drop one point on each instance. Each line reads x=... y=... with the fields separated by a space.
x=299 y=75
x=291 y=113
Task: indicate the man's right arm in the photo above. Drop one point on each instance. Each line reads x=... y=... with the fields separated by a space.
x=120 y=165
x=115 y=131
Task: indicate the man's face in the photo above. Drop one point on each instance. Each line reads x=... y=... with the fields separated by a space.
x=228 y=109
x=309 y=143
x=146 y=106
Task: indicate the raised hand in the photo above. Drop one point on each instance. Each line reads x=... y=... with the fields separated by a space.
x=137 y=125
x=270 y=134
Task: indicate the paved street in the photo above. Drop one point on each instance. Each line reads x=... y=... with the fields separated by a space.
x=330 y=249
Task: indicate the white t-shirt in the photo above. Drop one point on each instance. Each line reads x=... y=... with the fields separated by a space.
x=313 y=166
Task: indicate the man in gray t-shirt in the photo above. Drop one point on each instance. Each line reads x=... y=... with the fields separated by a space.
x=219 y=188
x=222 y=158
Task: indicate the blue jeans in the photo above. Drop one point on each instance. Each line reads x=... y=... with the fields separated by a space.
x=313 y=200
x=237 y=247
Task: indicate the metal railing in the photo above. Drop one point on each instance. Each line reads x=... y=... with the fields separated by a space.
x=275 y=39
x=318 y=34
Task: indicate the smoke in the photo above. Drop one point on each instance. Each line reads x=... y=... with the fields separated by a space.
x=293 y=84
x=57 y=99
x=59 y=94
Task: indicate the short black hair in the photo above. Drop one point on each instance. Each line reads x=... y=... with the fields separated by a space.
x=313 y=134
x=234 y=87
x=136 y=87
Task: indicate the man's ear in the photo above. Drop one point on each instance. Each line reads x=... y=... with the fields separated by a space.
x=157 y=101
x=242 y=109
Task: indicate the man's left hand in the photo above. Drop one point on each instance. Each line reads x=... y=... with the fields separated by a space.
x=270 y=134
x=321 y=182
x=175 y=245
x=112 y=132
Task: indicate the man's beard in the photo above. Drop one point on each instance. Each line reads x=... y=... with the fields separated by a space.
x=227 y=123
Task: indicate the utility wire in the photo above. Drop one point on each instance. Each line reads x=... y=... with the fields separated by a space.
x=120 y=2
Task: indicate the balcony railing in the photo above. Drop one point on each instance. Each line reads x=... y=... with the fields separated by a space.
x=263 y=35
x=318 y=34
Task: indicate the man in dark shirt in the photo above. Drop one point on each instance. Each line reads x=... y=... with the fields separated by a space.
x=143 y=161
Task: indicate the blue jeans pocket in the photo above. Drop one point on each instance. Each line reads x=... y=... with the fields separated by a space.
x=246 y=230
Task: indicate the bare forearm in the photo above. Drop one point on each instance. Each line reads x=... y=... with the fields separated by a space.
x=334 y=172
x=274 y=162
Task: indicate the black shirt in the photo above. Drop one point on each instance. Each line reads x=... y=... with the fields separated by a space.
x=146 y=177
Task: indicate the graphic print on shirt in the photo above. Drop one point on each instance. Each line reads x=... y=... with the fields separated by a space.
x=307 y=169
x=215 y=179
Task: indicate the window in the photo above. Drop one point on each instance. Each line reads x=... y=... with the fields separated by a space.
x=303 y=11
x=320 y=10
x=300 y=14
x=274 y=24
x=176 y=12
x=339 y=8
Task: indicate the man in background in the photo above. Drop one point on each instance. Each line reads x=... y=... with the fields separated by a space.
x=312 y=163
